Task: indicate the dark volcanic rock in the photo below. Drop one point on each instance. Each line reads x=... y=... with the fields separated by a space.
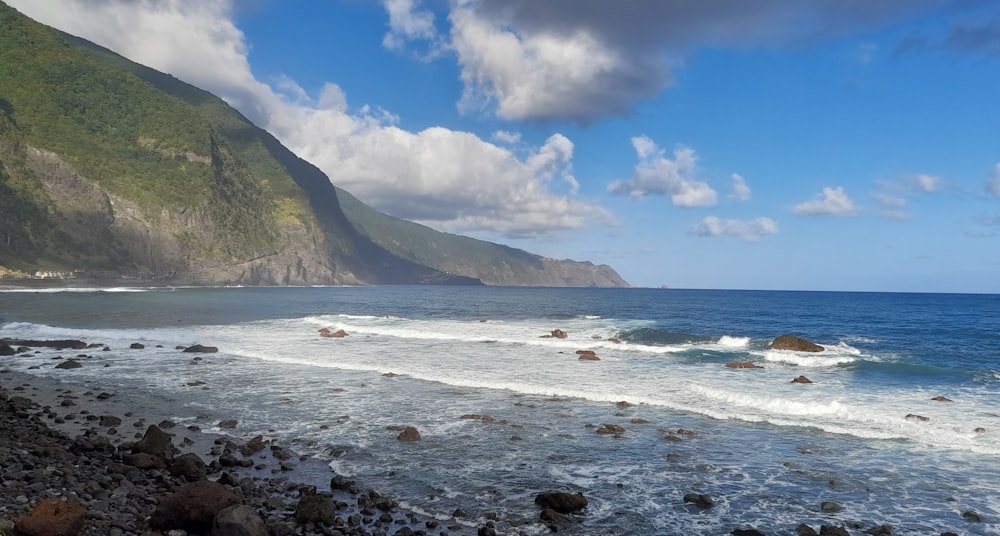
x=192 y=507
x=564 y=503
x=6 y=349
x=801 y=379
x=69 y=364
x=238 y=520
x=58 y=345
x=136 y=346
x=409 y=434
x=156 y=442
x=742 y=364
x=700 y=500
x=797 y=344
x=189 y=467
x=315 y=509
x=198 y=348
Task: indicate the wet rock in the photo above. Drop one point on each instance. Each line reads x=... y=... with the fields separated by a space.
x=342 y=483
x=189 y=466
x=6 y=349
x=805 y=530
x=700 y=500
x=915 y=417
x=556 y=334
x=198 y=348
x=69 y=364
x=587 y=355
x=561 y=502
x=829 y=506
x=610 y=429
x=238 y=520
x=339 y=334
x=110 y=420
x=972 y=516
x=747 y=532
x=880 y=530
x=742 y=365
x=801 y=379
x=136 y=346
x=227 y=424
x=192 y=507
x=831 y=530
x=409 y=434
x=53 y=517
x=942 y=399
x=156 y=442
x=797 y=344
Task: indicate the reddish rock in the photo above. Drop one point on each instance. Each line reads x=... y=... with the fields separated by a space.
x=915 y=417
x=339 y=334
x=390 y=374
x=942 y=399
x=556 y=334
x=742 y=364
x=192 y=507
x=797 y=344
x=610 y=429
x=588 y=356
x=53 y=517
x=801 y=379
x=980 y=430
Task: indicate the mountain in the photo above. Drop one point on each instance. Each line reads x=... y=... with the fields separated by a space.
x=112 y=169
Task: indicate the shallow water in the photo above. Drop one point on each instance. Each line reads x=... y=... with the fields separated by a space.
x=769 y=451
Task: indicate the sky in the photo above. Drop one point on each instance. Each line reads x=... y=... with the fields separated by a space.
x=760 y=144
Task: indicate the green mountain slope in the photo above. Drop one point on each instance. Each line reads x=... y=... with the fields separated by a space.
x=109 y=168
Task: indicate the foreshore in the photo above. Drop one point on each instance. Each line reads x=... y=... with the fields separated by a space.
x=84 y=446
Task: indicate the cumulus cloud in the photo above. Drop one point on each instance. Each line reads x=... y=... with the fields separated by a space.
x=448 y=179
x=655 y=174
x=993 y=183
x=894 y=196
x=749 y=230
x=832 y=202
x=741 y=191
x=582 y=60
x=408 y=24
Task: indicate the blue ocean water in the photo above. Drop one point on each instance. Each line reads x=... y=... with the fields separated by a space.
x=767 y=450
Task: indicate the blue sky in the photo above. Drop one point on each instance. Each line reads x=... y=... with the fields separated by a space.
x=824 y=145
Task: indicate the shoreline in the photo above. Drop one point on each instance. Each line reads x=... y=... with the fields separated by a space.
x=57 y=439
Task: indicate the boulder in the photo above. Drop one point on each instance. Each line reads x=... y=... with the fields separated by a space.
x=942 y=399
x=136 y=346
x=746 y=532
x=6 y=349
x=156 y=442
x=805 y=530
x=227 y=424
x=610 y=429
x=797 y=344
x=110 y=420
x=742 y=364
x=915 y=417
x=315 y=509
x=69 y=364
x=556 y=334
x=409 y=434
x=829 y=506
x=238 y=520
x=801 y=379
x=53 y=517
x=587 y=355
x=831 y=530
x=192 y=507
x=700 y=500
x=190 y=467
x=339 y=334
x=198 y=348
x=564 y=503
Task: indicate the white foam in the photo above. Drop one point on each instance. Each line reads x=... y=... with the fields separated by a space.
x=802 y=359
x=734 y=342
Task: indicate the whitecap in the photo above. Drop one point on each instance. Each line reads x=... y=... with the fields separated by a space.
x=733 y=342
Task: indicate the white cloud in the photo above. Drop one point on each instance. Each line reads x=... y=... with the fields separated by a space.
x=655 y=174
x=448 y=179
x=407 y=24
x=506 y=137
x=993 y=183
x=832 y=202
x=741 y=191
x=926 y=183
x=894 y=196
x=749 y=230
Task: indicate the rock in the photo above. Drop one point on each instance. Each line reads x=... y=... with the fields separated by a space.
x=564 y=503
x=136 y=346
x=805 y=530
x=390 y=374
x=156 y=442
x=197 y=348
x=797 y=344
x=747 y=532
x=227 y=424
x=742 y=364
x=830 y=530
x=339 y=334
x=942 y=399
x=980 y=430
x=829 y=506
x=141 y=460
x=409 y=434
x=53 y=517
x=192 y=507
x=587 y=355
x=638 y=420
x=610 y=429
x=342 y=483
x=238 y=520
x=699 y=499
x=189 y=467
x=915 y=417
x=801 y=379
x=6 y=349
x=880 y=530
x=110 y=420
x=58 y=345
x=972 y=516
x=69 y=364
x=556 y=334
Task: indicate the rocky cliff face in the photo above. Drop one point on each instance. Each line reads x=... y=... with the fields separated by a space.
x=111 y=169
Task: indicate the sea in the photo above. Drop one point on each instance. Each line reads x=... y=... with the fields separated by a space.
x=506 y=411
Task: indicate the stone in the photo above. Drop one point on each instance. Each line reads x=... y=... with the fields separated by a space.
x=587 y=355
x=227 y=424
x=110 y=420
x=189 y=467
x=156 y=442
x=409 y=434
x=69 y=364
x=942 y=399
x=801 y=379
x=556 y=334
x=6 y=349
x=53 y=517
x=915 y=417
x=564 y=503
x=192 y=507
x=797 y=344
x=831 y=530
x=136 y=346
x=747 y=532
x=742 y=365
x=198 y=348
x=700 y=500
x=315 y=509
x=238 y=520
x=610 y=429
x=339 y=334
x=829 y=506
x=805 y=530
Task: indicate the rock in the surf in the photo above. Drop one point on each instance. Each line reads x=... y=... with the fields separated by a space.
x=942 y=399
x=700 y=500
x=409 y=434
x=69 y=364
x=742 y=364
x=801 y=379
x=339 y=334
x=564 y=503
x=198 y=348
x=797 y=344
x=587 y=355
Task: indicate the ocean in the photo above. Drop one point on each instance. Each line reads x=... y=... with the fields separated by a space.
x=505 y=412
